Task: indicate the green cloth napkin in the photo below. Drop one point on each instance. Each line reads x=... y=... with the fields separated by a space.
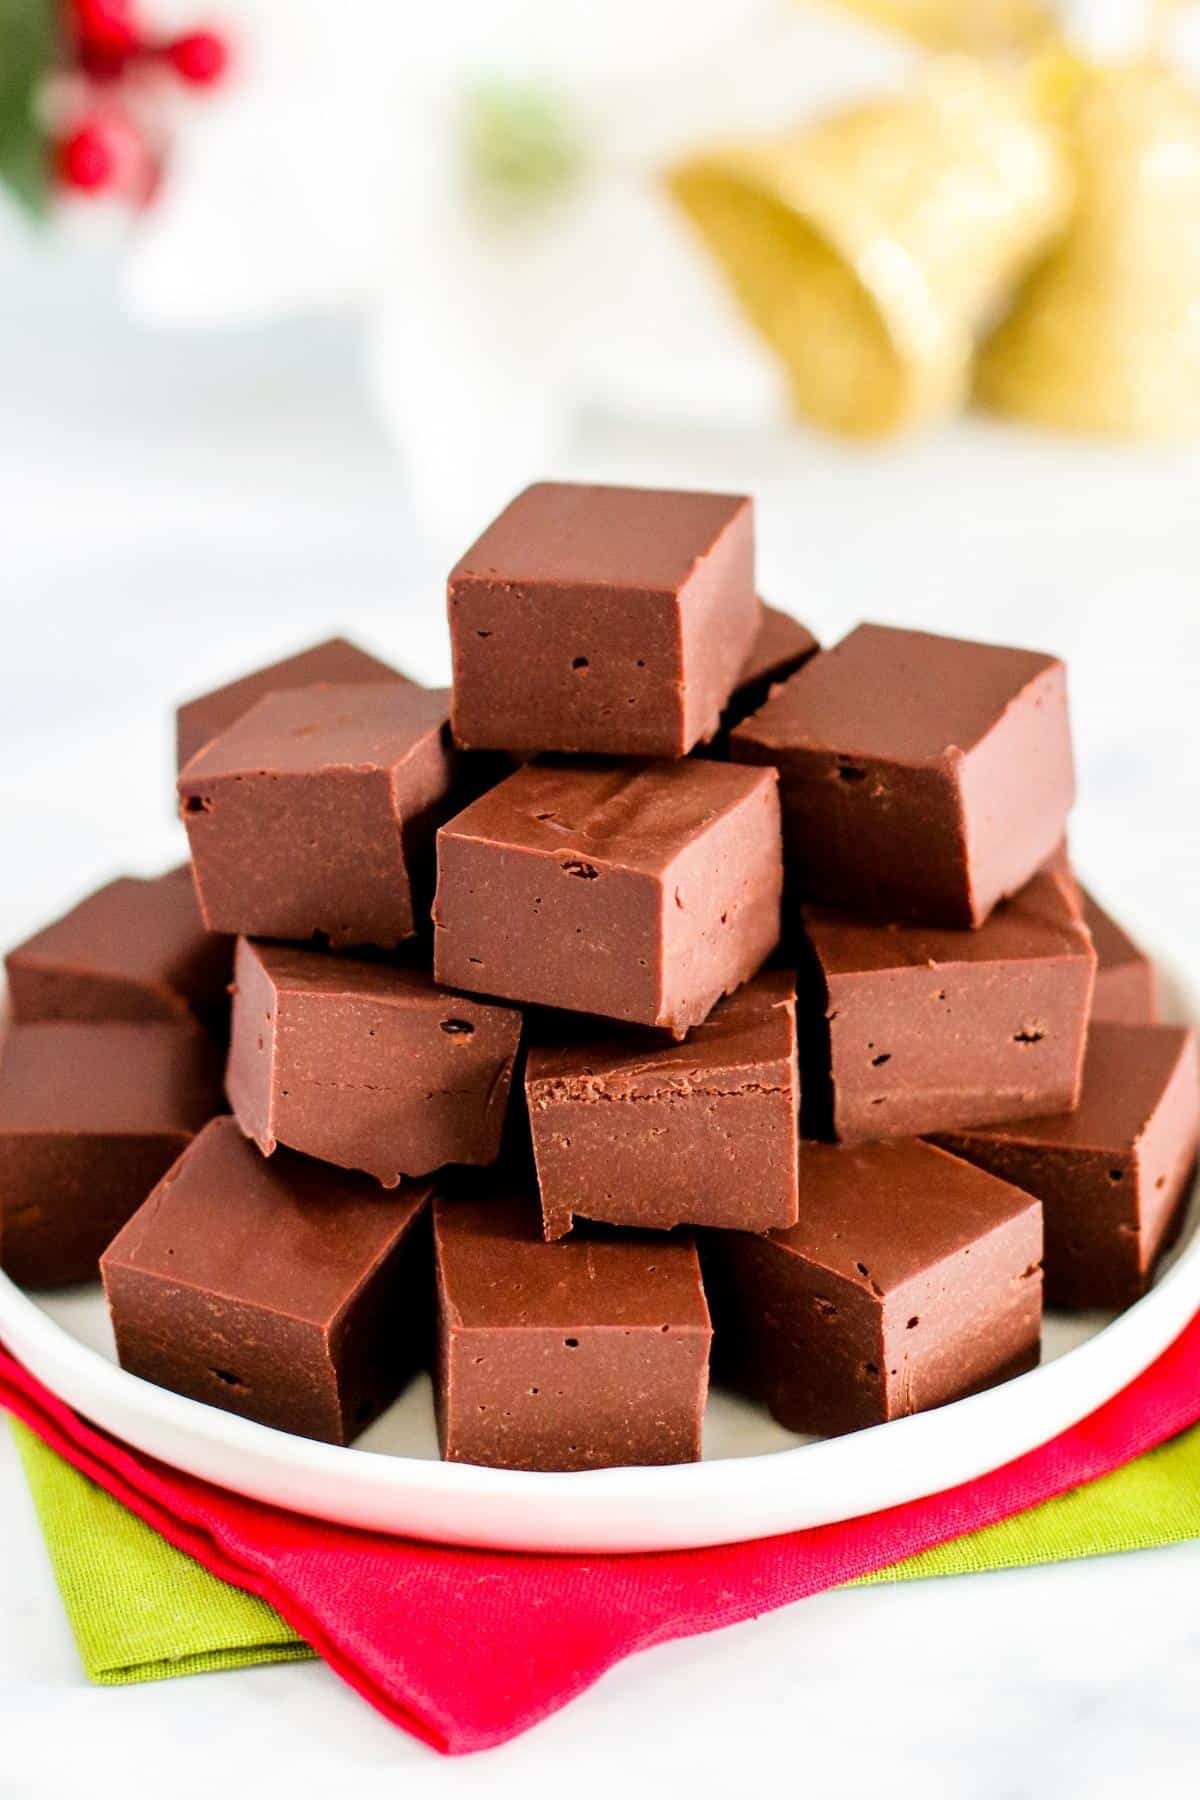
x=142 y=1611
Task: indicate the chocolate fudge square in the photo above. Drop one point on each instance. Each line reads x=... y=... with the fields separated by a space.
x=632 y=1132
x=636 y=891
x=198 y=721
x=135 y=949
x=1126 y=979
x=917 y=1029
x=365 y=1064
x=293 y=1294
x=1113 y=1176
x=907 y=1282
x=923 y=779
x=314 y=814
x=91 y=1115
x=605 y=619
x=781 y=646
x=588 y=1354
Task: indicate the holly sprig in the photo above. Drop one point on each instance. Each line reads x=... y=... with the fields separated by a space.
x=103 y=134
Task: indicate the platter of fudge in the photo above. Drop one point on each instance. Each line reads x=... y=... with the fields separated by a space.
x=667 y=1088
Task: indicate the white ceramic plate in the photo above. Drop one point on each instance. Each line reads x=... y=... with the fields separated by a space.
x=756 y=1478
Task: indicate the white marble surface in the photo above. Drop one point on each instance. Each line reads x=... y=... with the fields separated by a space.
x=170 y=512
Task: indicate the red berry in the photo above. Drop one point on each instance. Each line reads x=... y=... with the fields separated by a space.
x=107 y=24
x=199 y=57
x=103 y=62
x=87 y=159
x=107 y=153
x=91 y=14
x=106 y=38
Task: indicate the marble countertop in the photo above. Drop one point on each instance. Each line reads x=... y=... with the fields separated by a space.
x=170 y=512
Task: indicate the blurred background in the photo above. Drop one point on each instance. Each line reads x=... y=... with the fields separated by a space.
x=295 y=293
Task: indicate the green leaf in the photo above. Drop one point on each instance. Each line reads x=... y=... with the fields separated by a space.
x=28 y=35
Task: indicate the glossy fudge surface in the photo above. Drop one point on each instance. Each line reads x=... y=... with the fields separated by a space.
x=1113 y=1176
x=294 y=1294
x=922 y=778
x=1126 y=979
x=338 y=660
x=585 y=1354
x=641 y=892
x=908 y=1281
x=135 y=949
x=90 y=1117
x=916 y=1029
x=633 y=1132
x=365 y=1064
x=315 y=813
x=604 y=619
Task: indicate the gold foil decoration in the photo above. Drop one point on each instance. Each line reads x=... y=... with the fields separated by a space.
x=983 y=27
x=1106 y=336
x=869 y=248
x=994 y=27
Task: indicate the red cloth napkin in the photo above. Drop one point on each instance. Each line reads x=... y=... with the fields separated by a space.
x=467 y=1648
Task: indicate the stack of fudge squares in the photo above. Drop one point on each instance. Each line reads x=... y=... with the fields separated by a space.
x=671 y=990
